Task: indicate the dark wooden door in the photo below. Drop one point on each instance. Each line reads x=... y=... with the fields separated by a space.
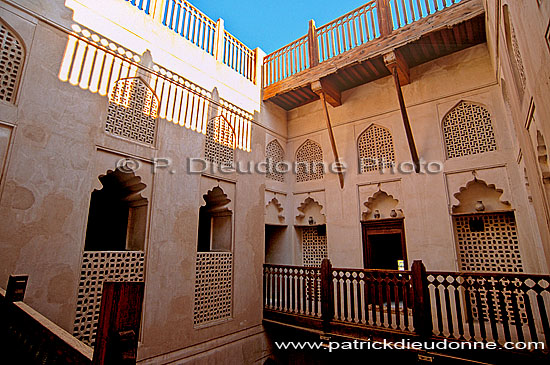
x=384 y=243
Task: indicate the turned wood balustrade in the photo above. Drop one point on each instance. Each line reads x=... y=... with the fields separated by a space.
x=451 y=305
x=375 y=20
x=196 y=27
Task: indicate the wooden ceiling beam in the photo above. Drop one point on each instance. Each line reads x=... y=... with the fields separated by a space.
x=331 y=93
x=395 y=60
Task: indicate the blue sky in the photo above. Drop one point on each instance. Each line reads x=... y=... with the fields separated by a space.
x=274 y=23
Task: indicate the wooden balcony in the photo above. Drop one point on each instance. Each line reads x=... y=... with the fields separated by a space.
x=349 y=51
x=417 y=305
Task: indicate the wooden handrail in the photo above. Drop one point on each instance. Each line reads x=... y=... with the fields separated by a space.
x=376 y=19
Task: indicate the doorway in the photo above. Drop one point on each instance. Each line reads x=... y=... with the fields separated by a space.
x=384 y=244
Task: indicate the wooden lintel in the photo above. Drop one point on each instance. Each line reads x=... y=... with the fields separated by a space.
x=395 y=60
x=332 y=94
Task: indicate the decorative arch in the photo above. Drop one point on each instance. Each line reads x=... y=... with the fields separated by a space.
x=485 y=230
x=12 y=59
x=274 y=212
x=215 y=222
x=310 y=213
x=381 y=205
x=309 y=161
x=220 y=141
x=118 y=213
x=274 y=154
x=477 y=191
x=133 y=110
x=468 y=130
x=375 y=149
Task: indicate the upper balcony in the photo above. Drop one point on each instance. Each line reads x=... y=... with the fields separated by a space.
x=349 y=51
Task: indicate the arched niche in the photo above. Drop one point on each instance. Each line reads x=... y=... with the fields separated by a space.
x=478 y=196
x=215 y=222
x=274 y=213
x=310 y=213
x=117 y=218
x=381 y=205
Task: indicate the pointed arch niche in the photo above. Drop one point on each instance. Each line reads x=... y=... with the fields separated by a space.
x=133 y=111
x=485 y=230
x=12 y=60
x=274 y=154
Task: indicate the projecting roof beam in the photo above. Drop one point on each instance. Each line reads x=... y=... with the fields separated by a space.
x=400 y=72
x=330 y=89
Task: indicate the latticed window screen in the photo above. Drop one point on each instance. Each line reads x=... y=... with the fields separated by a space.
x=375 y=147
x=97 y=267
x=133 y=109
x=468 y=130
x=213 y=287
x=11 y=64
x=219 y=146
x=314 y=246
x=274 y=154
x=489 y=243
x=309 y=160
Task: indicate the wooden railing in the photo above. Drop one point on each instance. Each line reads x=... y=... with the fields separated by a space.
x=238 y=56
x=375 y=20
x=405 y=12
x=293 y=289
x=456 y=306
x=286 y=61
x=144 y=5
x=490 y=307
x=348 y=31
x=28 y=337
x=377 y=298
x=189 y=22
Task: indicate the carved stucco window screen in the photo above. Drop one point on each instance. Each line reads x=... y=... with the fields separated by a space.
x=133 y=111
x=213 y=287
x=375 y=146
x=98 y=267
x=219 y=145
x=489 y=243
x=309 y=157
x=468 y=130
x=275 y=154
x=11 y=63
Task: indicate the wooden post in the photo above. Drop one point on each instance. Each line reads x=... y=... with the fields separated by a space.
x=327 y=297
x=332 y=140
x=385 y=21
x=119 y=322
x=422 y=310
x=405 y=116
x=313 y=46
x=219 y=44
x=17 y=285
x=157 y=9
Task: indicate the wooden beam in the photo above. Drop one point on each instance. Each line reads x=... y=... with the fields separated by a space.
x=394 y=60
x=330 y=91
x=404 y=115
x=312 y=44
x=331 y=136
